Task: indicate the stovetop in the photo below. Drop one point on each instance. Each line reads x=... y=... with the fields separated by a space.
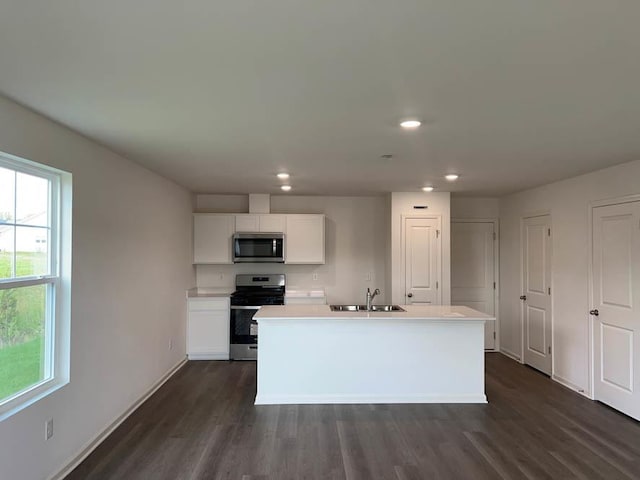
x=255 y=290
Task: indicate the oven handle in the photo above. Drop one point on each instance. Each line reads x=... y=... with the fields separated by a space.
x=236 y=307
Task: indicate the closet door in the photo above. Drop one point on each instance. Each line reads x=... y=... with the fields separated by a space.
x=616 y=309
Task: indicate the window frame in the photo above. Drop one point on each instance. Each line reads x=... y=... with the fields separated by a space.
x=57 y=281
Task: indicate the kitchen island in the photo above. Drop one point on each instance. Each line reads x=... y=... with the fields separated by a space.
x=309 y=354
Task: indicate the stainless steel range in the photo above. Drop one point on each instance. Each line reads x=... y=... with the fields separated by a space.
x=252 y=291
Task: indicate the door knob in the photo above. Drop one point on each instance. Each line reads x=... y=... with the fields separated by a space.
x=409 y=295
x=523 y=297
x=594 y=312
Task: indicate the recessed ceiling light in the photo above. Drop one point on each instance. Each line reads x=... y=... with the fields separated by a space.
x=427 y=189
x=410 y=124
x=452 y=177
x=285 y=188
x=283 y=176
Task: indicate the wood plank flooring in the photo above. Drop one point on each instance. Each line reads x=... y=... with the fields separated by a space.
x=202 y=424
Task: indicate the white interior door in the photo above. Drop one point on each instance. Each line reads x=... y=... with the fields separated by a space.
x=536 y=295
x=616 y=315
x=472 y=271
x=422 y=249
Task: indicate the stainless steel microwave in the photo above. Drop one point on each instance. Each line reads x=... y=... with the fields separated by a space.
x=258 y=248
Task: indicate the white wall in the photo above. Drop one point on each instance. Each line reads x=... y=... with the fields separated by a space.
x=222 y=203
x=402 y=203
x=475 y=208
x=356 y=245
x=568 y=202
x=131 y=267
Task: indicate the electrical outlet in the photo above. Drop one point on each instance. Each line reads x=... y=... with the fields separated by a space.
x=368 y=277
x=315 y=276
x=48 y=429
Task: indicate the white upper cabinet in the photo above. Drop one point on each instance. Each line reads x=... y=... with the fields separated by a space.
x=272 y=223
x=304 y=239
x=213 y=232
x=260 y=223
x=247 y=223
x=212 y=237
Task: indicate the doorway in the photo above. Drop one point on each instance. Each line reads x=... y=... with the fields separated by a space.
x=473 y=270
x=422 y=251
x=536 y=312
x=615 y=313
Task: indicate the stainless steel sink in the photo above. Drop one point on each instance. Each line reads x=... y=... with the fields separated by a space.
x=387 y=308
x=363 y=308
x=348 y=308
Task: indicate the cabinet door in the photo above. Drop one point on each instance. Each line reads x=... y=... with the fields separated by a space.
x=247 y=223
x=208 y=329
x=305 y=239
x=212 y=238
x=272 y=223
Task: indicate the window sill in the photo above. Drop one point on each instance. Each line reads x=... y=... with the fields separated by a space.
x=29 y=397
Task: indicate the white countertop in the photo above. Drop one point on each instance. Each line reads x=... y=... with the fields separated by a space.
x=416 y=312
x=209 y=292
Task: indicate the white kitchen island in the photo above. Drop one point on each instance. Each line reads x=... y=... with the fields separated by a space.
x=427 y=354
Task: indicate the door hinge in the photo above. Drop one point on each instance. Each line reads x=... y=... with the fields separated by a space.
x=494 y=236
x=549 y=232
x=549 y=290
x=437 y=233
x=494 y=335
x=436 y=285
x=549 y=349
x=494 y=285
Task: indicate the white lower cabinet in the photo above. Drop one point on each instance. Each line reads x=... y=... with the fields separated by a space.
x=208 y=329
x=305 y=300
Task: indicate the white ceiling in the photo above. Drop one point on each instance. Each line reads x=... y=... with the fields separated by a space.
x=220 y=95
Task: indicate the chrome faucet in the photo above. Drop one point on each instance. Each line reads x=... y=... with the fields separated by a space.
x=371 y=296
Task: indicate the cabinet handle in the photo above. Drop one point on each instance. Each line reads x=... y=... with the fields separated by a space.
x=594 y=312
x=523 y=297
x=409 y=295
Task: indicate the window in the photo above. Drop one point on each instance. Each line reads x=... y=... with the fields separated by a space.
x=34 y=292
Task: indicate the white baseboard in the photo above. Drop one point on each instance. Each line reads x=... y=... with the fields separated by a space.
x=351 y=399
x=510 y=354
x=208 y=356
x=89 y=447
x=571 y=386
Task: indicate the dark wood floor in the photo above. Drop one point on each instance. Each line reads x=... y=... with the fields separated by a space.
x=202 y=424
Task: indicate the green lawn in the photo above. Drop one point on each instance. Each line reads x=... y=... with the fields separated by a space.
x=20 y=366
x=26 y=263
x=21 y=324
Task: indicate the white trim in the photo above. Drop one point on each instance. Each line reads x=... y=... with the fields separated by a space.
x=324 y=399
x=26 y=281
x=208 y=356
x=57 y=311
x=496 y=271
x=572 y=386
x=590 y=297
x=90 y=446
x=511 y=355
x=614 y=201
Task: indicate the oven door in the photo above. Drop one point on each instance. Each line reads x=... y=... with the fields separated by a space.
x=244 y=329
